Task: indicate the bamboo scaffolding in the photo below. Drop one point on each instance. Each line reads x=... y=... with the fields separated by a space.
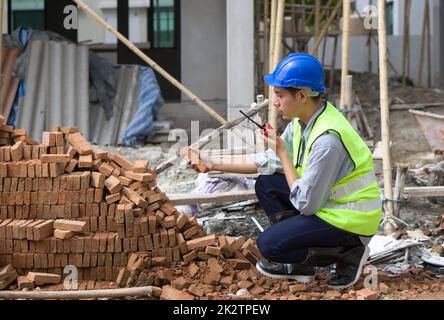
x=277 y=53
x=406 y=46
x=325 y=28
x=345 y=48
x=333 y=64
x=266 y=35
x=271 y=110
x=317 y=25
x=429 y=54
x=423 y=36
x=257 y=17
x=385 y=116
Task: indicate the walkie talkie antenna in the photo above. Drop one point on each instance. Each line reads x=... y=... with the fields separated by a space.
x=260 y=126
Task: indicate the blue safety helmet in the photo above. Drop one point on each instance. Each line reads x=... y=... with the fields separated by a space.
x=298 y=70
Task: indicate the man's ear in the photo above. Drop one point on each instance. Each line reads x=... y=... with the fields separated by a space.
x=303 y=95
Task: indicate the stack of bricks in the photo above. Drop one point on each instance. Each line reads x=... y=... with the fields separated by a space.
x=109 y=207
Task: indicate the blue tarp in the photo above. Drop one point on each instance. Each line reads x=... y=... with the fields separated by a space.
x=150 y=101
x=23 y=35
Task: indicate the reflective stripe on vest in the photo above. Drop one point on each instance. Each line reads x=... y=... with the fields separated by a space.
x=363 y=206
x=353 y=186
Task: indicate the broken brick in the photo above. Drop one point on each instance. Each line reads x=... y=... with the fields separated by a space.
x=169 y=293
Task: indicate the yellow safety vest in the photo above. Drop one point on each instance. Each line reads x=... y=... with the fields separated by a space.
x=355 y=203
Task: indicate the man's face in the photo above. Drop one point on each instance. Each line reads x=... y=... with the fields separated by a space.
x=289 y=105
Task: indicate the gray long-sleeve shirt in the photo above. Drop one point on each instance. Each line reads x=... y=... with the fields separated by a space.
x=328 y=163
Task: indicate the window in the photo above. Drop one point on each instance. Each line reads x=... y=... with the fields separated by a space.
x=389 y=13
x=27 y=14
x=163 y=24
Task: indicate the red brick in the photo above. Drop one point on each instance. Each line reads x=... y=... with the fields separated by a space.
x=97 y=180
x=113 y=185
x=69 y=225
x=63 y=234
x=40 y=278
x=134 y=197
x=168 y=222
x=48 y=139
x=24 y=282
x=123 y=277
x=55 y=158
x=211 y=278
x=191 y=232
x=17 y=151
x=201 y=242
x=239 y=264
x=142 y=177
x=190 y=256
x=367 y=294
x=43 y=230
x=214 y=251
x=121 y=161
x=140 y=166
x=85 y=161
x=79 y=143
x=169 y=293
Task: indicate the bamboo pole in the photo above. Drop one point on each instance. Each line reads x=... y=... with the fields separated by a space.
x=148 y=291
x=266 y=36
x=326 y=10
x=333 y=64
x=348 y=101
x=325 y=28
x=385 y=116
x=345 y=48
x=429 y=54
x=277 y=53
x=423 y=35
x=406 y=55
x=294 y=27
x=257 y=19
x=399 y=187
x=369 y=53
x=317 y=24
x=369 y=47
x=150 y=62
x=271 y=110
x=304 y=21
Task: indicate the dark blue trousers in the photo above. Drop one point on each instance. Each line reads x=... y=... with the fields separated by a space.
x=289 y=240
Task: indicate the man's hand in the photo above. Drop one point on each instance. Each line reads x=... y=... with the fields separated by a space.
x=274 y=142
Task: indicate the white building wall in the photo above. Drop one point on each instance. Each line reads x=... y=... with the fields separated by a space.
x=203 y=48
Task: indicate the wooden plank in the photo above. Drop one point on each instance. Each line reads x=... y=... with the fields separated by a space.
x=415 y=105
x=189 y=198
x=419 y=192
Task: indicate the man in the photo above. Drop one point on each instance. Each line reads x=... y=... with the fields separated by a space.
x=327 y=194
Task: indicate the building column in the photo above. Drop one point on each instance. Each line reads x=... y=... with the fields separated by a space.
x=240 y=56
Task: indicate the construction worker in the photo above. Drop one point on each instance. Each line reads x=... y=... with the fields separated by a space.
x=324 y=206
